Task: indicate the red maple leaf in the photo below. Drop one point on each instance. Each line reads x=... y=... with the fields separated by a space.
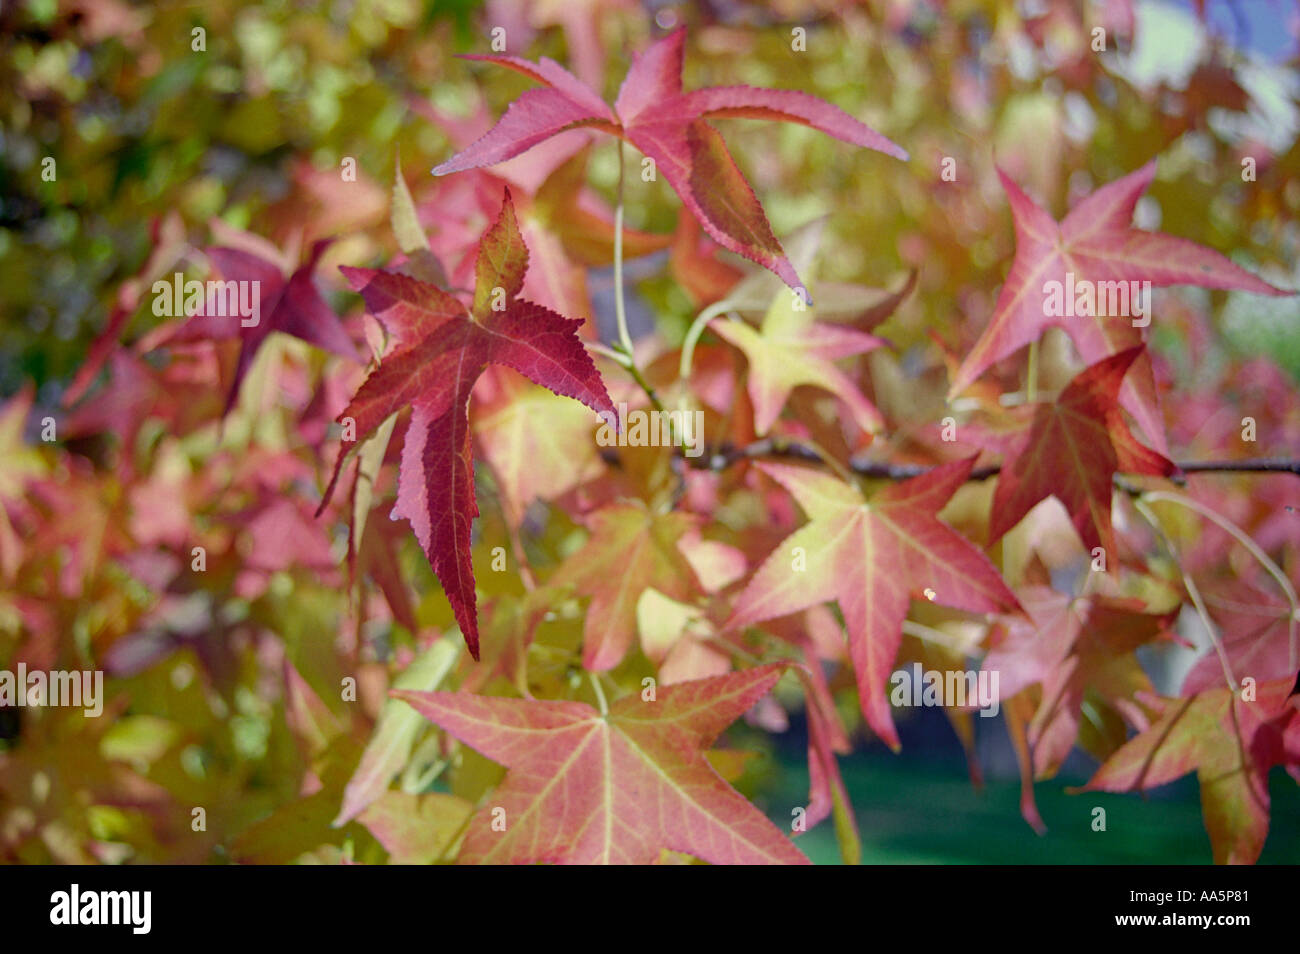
x=1072 y=450
x=653 y=113
x=587 y=788
x=440 y=349
x=870 y=556
x=1094 y=243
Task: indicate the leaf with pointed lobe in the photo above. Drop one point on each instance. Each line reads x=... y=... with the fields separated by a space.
x=676 y=637
x=533 y=460
x=1259 y=635
x=582 y=788
x=630 y=550
x=670 y=126
x=411 y=240
x=871 y=556
x=440 y=350
x=1231 y=744
x=793 y=347
x=1072 y=450
x=1095 y=242
x=1074 y=648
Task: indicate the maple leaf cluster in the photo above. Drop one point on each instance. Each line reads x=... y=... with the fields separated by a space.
x=411 y=463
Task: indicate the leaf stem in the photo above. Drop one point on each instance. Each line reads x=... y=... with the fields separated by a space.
x=624 y=345
x=696 y=331
x=1031 y=380
x=620 y=311
x=1144 y=508
x=1253 y=549
x=618 y=357
x=600 y=694
x=931 y=635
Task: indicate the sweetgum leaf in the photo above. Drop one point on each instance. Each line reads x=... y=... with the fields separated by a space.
x=1259 y=635
x=582 y=788
x=791 y=349
x=1231 y=744
x=532 y=462
x=1096 y=242
x=1072 y=450
x=630 y=549
x=669 y=125
x=1073 y=647
x=870 y=556
x=440 y=350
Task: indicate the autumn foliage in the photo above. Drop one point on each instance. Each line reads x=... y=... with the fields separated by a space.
x=539 y=473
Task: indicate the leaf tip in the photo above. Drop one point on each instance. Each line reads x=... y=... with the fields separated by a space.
x=357 y=278
x=898 y=152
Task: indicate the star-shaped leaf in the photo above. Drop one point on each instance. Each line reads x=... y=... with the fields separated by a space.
x=791 y=349
x=1230 y=743
x=1072 y=450
x=669 y=125
x=1095 y=242
x=871 y=556
x=630 y=549
x=582 y=788
x=440 y=350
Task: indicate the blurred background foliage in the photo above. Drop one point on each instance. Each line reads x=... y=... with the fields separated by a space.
x=140 y=124
x=224 y=690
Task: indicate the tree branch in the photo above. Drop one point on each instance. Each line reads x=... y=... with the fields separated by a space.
x=726 y=455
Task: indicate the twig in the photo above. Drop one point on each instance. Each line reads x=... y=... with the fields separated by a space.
x=1250 y=465
x=725 y=455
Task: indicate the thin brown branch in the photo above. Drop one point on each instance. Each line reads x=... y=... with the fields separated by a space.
x=1251 y=465
x=722 y=457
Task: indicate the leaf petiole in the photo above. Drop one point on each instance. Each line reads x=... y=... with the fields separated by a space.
x=1253 y=549
x=600 y=694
